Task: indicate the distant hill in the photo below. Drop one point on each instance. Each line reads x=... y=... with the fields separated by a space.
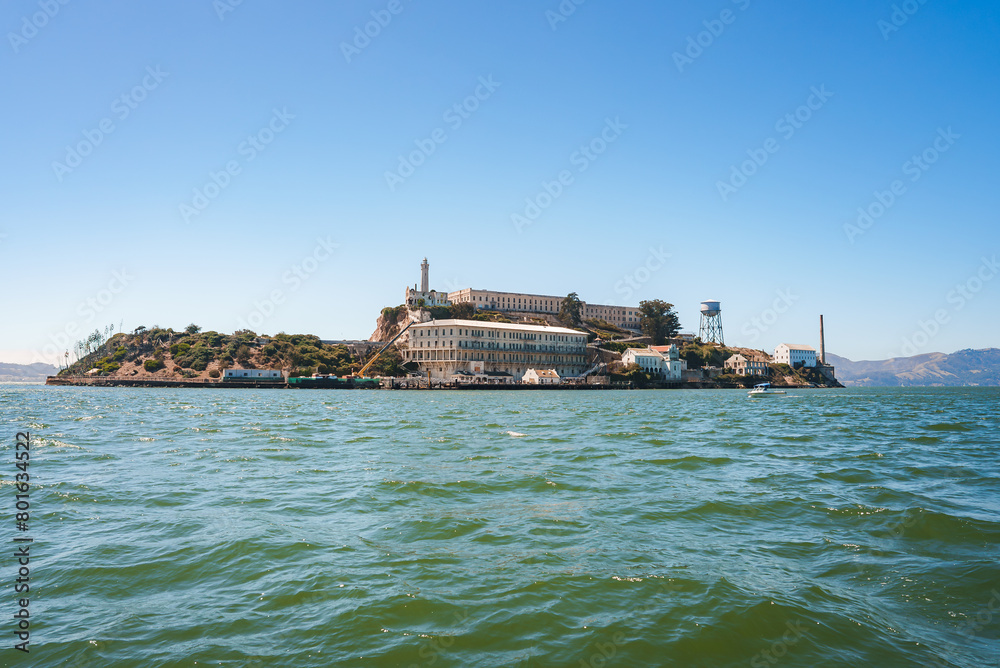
x=26 y=373
x=965 y=367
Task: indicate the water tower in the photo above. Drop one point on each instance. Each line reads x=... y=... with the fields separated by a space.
x=710 y=330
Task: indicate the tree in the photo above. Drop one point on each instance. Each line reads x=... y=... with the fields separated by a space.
x=634 y=374
x=658 y=321
x=570 y=310
x=192 y=329
x=463 y=311
x=243 y=355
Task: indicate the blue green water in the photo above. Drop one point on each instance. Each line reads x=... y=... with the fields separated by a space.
x=644 y=528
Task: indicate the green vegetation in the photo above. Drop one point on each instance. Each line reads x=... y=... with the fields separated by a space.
x=700 y=354
x=736 y=379
x=632 y=373
x=490 y=316
x=620 y=347
x=153 y=365
x=305 y=355
x=392 y=313
x=390 y=363
x=463 y=311
x=658 y=321
x=606 y=331
x=440 y=312
x=570 y=310
x=194 y=351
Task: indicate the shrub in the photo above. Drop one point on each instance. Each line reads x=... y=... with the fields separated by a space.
x=214 y=373
x=212 y=339
x=153 y=365
x=392 y=313
x=440 y=312
x=243 y=355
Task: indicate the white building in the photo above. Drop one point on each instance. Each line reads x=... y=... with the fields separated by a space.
x=441 y=348
x=662 y=362
x=424 y=296
x=794 y=354
x=626 y=317
x=252 y=374
x=541 y=377
x=755 y=365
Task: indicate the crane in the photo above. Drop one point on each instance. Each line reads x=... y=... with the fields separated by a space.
x=361 y=373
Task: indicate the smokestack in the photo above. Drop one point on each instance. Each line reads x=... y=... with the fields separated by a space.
x=822 y=342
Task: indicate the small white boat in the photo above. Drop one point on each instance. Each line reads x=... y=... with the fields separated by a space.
x=763 y=390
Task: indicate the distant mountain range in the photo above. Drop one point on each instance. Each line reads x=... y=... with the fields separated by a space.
x=26 y=373
x=965 y=367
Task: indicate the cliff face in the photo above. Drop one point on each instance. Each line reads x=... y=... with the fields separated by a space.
x=389 y=323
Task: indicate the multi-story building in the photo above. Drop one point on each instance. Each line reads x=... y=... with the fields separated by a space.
x=664 y=362
x=794 y=354
x=626 y=317
x=752 y=365
x=441 y=348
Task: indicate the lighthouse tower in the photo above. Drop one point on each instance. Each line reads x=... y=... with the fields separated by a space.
x=425 y=297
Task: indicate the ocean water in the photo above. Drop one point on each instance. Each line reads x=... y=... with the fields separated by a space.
x=176 y=527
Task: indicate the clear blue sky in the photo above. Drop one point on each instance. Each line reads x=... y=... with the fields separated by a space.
x=676 y=117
